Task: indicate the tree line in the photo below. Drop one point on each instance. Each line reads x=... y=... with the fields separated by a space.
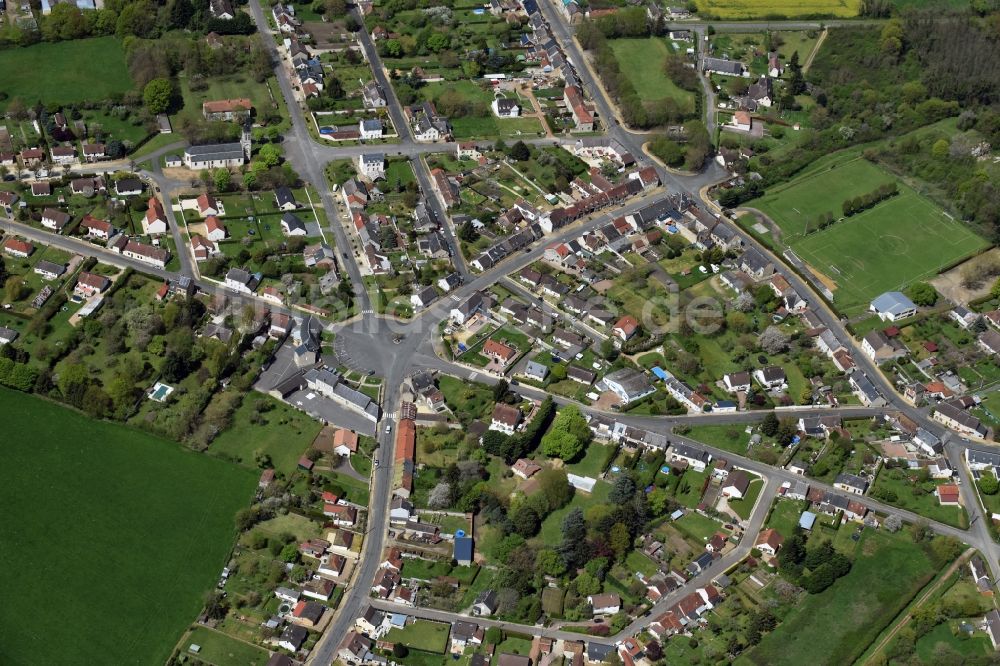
x=636 y=112
x=862 y=203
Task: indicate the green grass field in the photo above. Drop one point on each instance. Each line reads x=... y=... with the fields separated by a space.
x=744 y=507
x=230 y=87
x=897 y=242
x=641 y=60
x=747 y=9
x=977 y=645
x=918 y=497
x=422 y=635
x=284 y=437
x=698 y=527
x=835 y=626
x=822 y=189
x=78 y=70
x=111 y=537
x=222 y=650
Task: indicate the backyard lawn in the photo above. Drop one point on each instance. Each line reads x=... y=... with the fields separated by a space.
x=221 y=650
x=898 y=488
x=422 y=635
x=785 y=516
x=836 y=625
x=117 y=500
x=592 y=461
x=468 y=400
x=284 y=435
x=87 y=69
x=424 y=569
x=977 y=645
x=698 y=527
x=744 y=507
x=730 y=438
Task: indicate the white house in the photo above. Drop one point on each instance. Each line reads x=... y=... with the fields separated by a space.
x=372 y=165
x=55 y=219
x=214 y=156
x=505 y=418
x=155 y=221
x=772 y=378
x=505 y=108
x=742 y=121
x=736 y=485
x=737 y=381
x=293 y=637
x=698 y=459
x=370 y=129
x=241 y=281
x=605 y=604
x=285 y=199
x=291 y=225
x=215 y=229
x=401 y=510
x=851 y=483
x=97 y=228
x=424 y=297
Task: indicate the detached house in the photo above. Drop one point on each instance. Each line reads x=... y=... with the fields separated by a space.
x=91 y=284
x=372 y=165
x=582 y=116
x=285 y=199
x=880 y=348
x=769 y=541
x=505 y=418
x=291 y=225
x=18 y=248
x=737 y=381
x=605 y=604
x=92 y=152
x=207 y=205
x=215 y=230
x=227 y=109
x=851 y=483
x=148 y=254
x=55 y=219
x=628 y=384
x=505 y=108
x=96 y=228
x=128 y=187
x=155 y=220
x=7 y=201
x=63 y=154
x=772 y=378
x=625 y=328
x=736 y=485
x=203 y=248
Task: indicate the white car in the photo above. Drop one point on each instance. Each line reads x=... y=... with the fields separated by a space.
x=388 y=428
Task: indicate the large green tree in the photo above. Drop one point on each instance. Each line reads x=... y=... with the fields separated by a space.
x=157 y=95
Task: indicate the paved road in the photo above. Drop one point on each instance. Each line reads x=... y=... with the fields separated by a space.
x=300 y=151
